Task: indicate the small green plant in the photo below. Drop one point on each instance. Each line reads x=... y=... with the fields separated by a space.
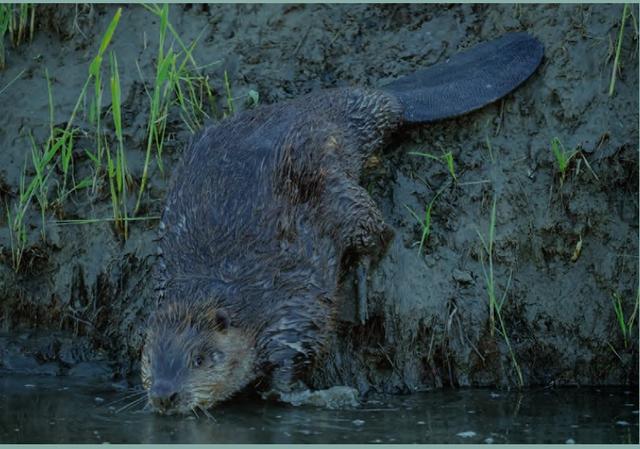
x=563 y=157
x=425 y=223
x=446 y=158
x=487 y=143
x=625 y=324
x=616 y=60
x=253 y=98
x=488 y=247
x=495 y=305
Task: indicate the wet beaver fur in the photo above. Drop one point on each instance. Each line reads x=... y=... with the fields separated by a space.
x=262 y=213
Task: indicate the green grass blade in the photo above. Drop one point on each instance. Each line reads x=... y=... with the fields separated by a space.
x=616 y=60
x=14 y=79
x=427 y=155
x=115 y=96
x=94 y=68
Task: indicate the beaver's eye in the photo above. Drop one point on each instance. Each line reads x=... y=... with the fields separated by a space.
x=217 y=356
x=197 y=361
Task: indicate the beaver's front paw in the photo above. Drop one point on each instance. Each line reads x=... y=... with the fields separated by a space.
x=370 y=239
x=339 y=397
x=332 y=398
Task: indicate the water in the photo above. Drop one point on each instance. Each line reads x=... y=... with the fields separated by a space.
x=63 y=410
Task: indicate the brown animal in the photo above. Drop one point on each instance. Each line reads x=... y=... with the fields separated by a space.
x=265 y=209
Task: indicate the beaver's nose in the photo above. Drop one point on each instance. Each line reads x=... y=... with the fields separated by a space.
x=163 y=395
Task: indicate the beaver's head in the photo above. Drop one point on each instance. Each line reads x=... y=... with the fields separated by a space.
x=194 y=357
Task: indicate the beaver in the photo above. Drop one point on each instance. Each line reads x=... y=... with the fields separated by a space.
x=263 y=211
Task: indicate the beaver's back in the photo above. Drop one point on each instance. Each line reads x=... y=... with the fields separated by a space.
x=231 y=229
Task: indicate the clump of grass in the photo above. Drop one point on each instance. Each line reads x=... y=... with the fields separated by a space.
x=61 y=140
x=177 y=81
x=116 y=165
x=95 y=109
x=18 y=238
x=58 y=144
x=41 y=191
x=17 y=227
x=625 y=323
x=563 y=157
x=616 y=60
x=117 y=170
x=56 y=151
x=495 y=305
x=159 y=103
x=446 y=158
x=425 y=223
x=191 y=90
x=22 y=22
x=5 y=17
x=18 y=21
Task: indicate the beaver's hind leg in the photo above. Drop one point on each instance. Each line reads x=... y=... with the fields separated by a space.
x=358 y=225
x=322 y=168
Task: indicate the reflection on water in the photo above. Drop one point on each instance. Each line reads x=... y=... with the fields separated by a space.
x=62 y=410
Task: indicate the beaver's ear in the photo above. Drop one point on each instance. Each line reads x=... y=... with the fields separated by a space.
x=222 y=320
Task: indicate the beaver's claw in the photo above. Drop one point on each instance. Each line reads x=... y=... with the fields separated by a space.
x=362 y=274
x=383 y=238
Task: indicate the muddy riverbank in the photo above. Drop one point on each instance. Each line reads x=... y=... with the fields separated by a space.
x=565 y=246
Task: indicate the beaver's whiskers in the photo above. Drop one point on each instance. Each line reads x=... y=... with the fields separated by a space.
x=206 y=413
x=132 y=403
x=128 y=396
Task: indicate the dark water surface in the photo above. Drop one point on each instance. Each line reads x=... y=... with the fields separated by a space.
x=63 y=410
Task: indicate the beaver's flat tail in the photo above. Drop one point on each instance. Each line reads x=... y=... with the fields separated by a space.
x=468 y=80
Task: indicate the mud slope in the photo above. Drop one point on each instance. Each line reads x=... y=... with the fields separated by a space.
x=78 y=303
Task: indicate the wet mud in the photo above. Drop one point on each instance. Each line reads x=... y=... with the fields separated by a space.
x=563 y=245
